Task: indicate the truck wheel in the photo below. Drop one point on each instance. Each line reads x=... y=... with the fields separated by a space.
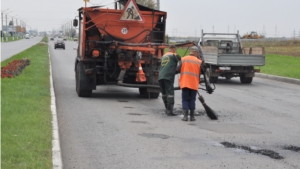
x=211 y=78
x=246 y=80
x=144 y=93
x=80 y=92
x=228 y=77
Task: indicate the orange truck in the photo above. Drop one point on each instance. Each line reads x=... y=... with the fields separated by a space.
x=121 y=46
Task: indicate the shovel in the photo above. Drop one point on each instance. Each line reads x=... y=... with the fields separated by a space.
x=210 y=113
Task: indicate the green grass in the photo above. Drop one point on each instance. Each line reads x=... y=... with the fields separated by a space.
x=10 y=39
x=181 y=51
x=280 y=65
x=26 y=116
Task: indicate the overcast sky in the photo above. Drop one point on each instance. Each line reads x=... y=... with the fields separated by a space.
x=185 y=17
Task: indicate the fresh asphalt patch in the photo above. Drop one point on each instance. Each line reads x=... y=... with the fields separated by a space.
x=292 y=148
x=270 y=153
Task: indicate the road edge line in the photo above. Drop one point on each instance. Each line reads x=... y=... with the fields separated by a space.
x=278 y=78
x=56 y=151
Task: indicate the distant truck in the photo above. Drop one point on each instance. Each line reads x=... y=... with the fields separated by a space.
x=225 y=57
x=27 y=36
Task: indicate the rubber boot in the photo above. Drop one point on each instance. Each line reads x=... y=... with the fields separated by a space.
x=166 y=106
x=192 y=117
x=185 y=117
x=170 y=110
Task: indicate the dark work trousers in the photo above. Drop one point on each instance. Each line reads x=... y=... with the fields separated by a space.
x=188 y=99
x=167 y=91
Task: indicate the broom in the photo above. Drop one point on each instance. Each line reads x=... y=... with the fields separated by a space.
x=210 y=113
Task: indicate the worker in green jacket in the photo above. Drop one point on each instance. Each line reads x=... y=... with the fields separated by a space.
x=166 y=78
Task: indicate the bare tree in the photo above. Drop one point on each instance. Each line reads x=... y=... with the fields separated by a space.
x=147 y=3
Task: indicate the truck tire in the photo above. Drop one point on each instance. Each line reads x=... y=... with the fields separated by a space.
x=245 y=80
x=211 y=79
x=80 y=92
x=151 y=95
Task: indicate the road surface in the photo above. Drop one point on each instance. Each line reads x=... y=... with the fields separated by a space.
x=117 y=129
x=8 y=49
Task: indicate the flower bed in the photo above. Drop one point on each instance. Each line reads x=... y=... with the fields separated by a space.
x=14 y=68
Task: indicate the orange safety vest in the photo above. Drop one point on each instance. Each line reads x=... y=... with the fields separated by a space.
x=190 y=72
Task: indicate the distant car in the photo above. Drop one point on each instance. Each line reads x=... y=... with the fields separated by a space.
x=75 y=39
x=27 y=36
x=51 y=38
x=59 y=44
x=65 y=39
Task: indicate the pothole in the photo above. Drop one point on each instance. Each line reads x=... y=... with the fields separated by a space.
x=153 y=135
x=122 y=101
x=292 y=148
x=136 y=114
x=141 y=122
x=270 y=153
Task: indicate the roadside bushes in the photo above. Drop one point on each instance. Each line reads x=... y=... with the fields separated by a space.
x=14 y=68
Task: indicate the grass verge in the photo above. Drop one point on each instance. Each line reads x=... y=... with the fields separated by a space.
x=26 y=116
x=10 y=39
x=281 y=65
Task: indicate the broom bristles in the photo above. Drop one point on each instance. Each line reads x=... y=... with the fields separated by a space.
x=210 y=113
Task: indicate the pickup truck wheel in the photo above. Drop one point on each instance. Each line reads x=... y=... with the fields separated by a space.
x=246 y=80
x=211 y=78
x=143 y=92
x=81 y=93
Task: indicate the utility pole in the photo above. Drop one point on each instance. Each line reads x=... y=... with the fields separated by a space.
x=234 y=29
x=158 y=5
x=275 y=31
x=2 y=32
x=294 y=33
x=6 y=24
x=228 y=28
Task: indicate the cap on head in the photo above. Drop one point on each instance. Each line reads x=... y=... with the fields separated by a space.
x=172 y=47
x=194 y=49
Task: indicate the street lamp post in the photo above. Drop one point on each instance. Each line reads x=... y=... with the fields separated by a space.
x=2 y=31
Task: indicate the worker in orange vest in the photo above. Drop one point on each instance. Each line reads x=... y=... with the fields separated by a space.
x=166 y=77
x=189 y=80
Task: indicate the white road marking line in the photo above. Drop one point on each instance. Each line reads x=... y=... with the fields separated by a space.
x=56 y=151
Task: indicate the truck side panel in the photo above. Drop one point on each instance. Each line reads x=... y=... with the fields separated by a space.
x=240 y=60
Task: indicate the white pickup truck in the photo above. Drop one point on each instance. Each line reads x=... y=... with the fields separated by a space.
x=224 y=56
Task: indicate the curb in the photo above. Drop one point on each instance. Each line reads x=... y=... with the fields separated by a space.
x=278 y=78
x=56 y=152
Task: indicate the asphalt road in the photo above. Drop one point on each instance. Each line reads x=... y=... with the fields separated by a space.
x=9 y=49
x=118 y=129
